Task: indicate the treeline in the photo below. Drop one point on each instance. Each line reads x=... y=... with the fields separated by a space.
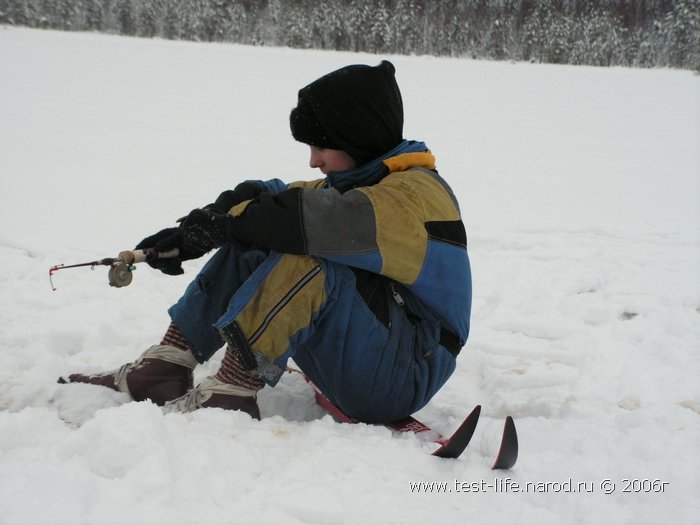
x=636 y=33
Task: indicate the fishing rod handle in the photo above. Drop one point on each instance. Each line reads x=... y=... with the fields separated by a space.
x=138 y=256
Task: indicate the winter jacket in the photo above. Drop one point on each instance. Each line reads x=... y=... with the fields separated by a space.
x=395 y=217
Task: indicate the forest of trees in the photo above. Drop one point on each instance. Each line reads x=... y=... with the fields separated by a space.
x=635 y=33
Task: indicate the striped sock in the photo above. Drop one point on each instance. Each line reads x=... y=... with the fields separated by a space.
x=174 y=337
x=233 y=373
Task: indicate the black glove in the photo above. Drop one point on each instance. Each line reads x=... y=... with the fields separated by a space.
x=164 y=241
x=204 y=230
x=228 y=199
x=245 y=191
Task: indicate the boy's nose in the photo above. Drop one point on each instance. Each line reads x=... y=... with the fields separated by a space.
x=315 y=159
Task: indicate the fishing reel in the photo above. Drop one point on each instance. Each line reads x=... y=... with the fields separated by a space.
x=120 y=274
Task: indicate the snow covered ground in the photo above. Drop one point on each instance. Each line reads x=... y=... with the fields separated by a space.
x=580 y=188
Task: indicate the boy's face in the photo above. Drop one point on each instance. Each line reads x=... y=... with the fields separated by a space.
x=330 y=160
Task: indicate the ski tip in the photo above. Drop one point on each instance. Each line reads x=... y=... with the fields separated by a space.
x=455 y=444
x=508 y=452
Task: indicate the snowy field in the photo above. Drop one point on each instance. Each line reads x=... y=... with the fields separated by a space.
x=580 y=189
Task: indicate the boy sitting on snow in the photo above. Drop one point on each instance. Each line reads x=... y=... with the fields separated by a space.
x=362 y=277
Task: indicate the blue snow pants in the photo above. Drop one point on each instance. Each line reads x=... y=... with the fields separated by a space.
x=309 y=309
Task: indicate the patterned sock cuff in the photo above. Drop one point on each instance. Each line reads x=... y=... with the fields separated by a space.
x=174 y=337
x=232 y=372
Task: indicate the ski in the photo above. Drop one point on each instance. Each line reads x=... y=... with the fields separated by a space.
x=508 y=452
x=458 y=441
x=451 y=447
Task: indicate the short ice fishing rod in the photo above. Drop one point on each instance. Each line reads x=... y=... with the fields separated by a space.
x=121 y=266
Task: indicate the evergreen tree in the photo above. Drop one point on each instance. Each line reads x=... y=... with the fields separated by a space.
x=681 y=34
x=643 y=33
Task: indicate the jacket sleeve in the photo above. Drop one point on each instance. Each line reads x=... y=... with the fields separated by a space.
x=271 y=220
x=320 y=222
x=307 y=221
x=385 y=228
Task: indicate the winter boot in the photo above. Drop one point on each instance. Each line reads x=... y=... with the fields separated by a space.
x=162 y=373
x=233 y=388
x=212 y=393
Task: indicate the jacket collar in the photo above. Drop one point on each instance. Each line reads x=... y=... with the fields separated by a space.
x=406 y=155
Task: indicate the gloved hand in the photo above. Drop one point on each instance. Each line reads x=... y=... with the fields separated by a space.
x=164 y=241
x=204 y=230
x=228 y=199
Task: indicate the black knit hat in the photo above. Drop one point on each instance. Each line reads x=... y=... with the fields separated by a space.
x=357 y=109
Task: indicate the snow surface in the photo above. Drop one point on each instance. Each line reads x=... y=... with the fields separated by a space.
x=580 y=188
